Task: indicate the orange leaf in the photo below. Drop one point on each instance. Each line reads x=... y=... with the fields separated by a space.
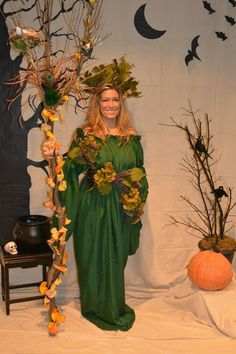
x=46 y=300
x=62 y=318
x=61 y=268
x=64 y=258
x=56 y=316
x=62 y=186
x=53 y=118
x=58 y=168
x=43 y=287
x=47 y=112
x=52 y=327
x=58 y=281
x=51 y=293
x=51 y=241
x=49 y=204
x=45 y=127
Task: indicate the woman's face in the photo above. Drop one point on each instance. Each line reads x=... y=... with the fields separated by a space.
x=110 y=104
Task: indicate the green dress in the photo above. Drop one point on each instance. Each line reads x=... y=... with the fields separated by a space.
x=103 y=239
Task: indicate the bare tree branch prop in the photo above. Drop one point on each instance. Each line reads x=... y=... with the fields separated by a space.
x=213 y=212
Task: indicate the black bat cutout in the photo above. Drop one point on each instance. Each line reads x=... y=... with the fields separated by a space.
x=208 y=7
x=221 y=35
x=231 y=20
x=193 y=52
x=232 y=2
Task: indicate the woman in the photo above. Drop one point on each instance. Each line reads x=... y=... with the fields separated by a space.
x=105 y=208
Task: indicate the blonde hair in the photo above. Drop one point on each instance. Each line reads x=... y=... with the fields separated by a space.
x=93 y=116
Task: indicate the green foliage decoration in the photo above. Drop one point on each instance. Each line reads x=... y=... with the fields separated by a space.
x=118 y=72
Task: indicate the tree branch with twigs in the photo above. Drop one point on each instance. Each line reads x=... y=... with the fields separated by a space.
x=216 y=201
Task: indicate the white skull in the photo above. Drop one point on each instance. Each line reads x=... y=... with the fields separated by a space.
x=11 y=247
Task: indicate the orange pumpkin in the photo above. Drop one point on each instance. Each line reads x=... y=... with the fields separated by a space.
x=210 y=270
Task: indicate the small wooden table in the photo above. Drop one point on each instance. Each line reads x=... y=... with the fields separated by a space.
x=22 y=260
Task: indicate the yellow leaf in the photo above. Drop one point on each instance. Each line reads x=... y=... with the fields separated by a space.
x=50 y=182
x=55 y=233
x=62 y=186
x=57 y=317
x=51 y=135
x=49 y=114
x=46 y=112
x=67 y=221
x=65 y=97
x=136 y=174
x=53 y=118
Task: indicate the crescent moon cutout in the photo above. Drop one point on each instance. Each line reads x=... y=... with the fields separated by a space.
x=142 y=26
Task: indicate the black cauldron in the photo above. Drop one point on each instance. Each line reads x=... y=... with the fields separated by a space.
x=31 y=232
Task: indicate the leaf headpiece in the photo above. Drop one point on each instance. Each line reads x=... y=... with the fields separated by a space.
x=118 y=73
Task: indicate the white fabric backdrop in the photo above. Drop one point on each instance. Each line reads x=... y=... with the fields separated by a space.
x=166 y=84
x=157 y=272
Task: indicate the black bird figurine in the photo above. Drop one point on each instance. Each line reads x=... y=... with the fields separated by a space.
x=200 y=147
x=220 y=192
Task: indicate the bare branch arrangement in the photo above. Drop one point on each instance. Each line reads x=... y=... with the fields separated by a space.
x=212 y=223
